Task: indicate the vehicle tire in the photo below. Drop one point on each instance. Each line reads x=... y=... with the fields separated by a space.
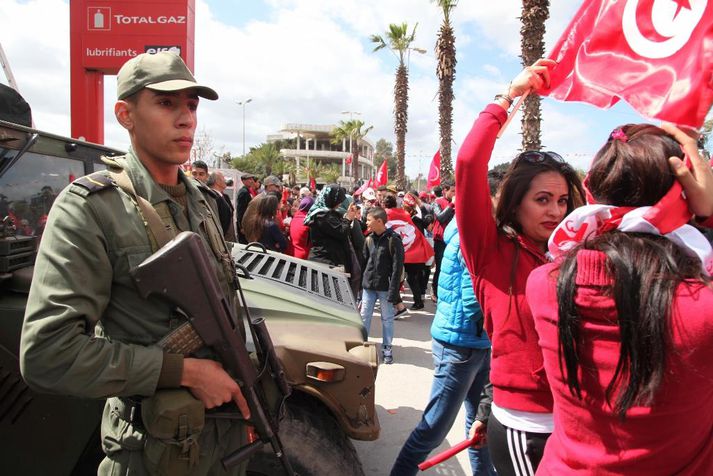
x=313 y=442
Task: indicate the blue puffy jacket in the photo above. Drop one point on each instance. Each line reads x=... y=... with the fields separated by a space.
x=458 y=314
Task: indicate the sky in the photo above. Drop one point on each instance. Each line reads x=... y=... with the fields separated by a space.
x=307 y=61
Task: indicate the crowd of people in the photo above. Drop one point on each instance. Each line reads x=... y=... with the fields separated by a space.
x=572 y=319
x=564 y=366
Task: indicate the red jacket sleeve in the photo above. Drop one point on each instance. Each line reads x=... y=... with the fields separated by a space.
x=476 y=224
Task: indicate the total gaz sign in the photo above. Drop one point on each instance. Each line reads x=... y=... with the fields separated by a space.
x=104 y=34
x=114 y=31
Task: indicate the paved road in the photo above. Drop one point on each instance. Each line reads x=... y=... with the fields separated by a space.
x=402 y=391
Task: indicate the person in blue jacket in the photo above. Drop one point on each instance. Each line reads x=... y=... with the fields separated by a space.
x=461 y=357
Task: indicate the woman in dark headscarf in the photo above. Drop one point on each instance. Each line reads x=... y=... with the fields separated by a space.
x=330 y=229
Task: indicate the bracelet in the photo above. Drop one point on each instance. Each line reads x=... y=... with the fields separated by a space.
x=505 y=97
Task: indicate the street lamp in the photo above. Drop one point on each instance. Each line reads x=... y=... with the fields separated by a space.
x=243 y=103
x=422 y=51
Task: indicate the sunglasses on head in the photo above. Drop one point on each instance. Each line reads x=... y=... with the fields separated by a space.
x=537 y=157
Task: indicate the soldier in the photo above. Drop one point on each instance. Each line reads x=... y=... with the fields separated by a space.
x=88 y=333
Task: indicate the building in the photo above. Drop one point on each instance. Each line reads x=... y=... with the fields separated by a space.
x=315 y=148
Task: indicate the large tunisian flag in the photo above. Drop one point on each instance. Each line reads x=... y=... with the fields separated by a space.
x=416 y=248
x=657 y=55
x=382 y=176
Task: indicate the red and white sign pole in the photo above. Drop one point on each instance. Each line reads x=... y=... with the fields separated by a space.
x=104 y=34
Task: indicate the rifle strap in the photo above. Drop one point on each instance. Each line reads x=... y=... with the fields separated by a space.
x=152 y=220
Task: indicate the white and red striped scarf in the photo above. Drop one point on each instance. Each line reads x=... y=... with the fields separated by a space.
x=668 y=218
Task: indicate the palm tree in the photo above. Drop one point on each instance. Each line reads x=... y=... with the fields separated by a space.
x=352 y=131
x=446 y=72
x=398 y=40
x=534 y=14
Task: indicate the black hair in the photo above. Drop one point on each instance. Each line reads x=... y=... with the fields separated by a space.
x=378 y=213
x=199 y=164
x=389 y=201
x=645 y=270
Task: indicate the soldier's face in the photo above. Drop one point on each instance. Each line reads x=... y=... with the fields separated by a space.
x=161 y=125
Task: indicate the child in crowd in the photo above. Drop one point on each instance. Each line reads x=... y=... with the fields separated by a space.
x=384 y=258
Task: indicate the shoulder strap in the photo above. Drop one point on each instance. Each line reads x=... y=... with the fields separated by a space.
x=391 y=244
x=92 y=183
x=370 y=244
x=149 y=213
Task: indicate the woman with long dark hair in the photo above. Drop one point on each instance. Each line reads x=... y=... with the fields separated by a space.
x=500 y=251
x=259 y=223
x=625 y=318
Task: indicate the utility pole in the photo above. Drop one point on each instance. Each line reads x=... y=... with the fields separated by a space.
x=243 y=103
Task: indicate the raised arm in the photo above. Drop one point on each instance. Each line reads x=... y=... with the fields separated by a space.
x=473 y=206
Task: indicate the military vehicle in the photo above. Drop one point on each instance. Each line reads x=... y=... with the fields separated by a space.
x=309 y=309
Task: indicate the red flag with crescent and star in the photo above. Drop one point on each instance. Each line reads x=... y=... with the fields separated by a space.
x=657 y=55
x=434 y=172
x=382 y=176
x=416 y=248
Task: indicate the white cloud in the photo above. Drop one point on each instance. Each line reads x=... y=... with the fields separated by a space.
x=306 y=62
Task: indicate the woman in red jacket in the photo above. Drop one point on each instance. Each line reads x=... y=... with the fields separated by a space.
x=299 y=232
x=625 y=319
x=538 y=190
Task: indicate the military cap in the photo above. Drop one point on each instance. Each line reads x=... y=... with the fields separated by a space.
x=163 y=71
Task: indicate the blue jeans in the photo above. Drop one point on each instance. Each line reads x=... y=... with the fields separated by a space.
x=368 y=300
x=459 y=376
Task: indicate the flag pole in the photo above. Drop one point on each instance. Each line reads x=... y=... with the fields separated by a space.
x=512 y=114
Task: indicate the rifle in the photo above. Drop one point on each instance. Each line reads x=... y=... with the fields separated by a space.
x=180 y=273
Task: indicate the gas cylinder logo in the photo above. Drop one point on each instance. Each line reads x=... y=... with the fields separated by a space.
x=99 y=18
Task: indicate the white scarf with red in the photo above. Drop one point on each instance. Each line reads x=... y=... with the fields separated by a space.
x=667 y=218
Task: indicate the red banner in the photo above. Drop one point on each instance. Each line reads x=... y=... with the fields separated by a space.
x=654 y=54
x=382 y=176
x=434 y=173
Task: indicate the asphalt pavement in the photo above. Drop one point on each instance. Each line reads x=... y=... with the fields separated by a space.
x=402 y=391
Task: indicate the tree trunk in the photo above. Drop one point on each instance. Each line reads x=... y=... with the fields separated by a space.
x=534 y=15
x=446 y=72
x=400 y=123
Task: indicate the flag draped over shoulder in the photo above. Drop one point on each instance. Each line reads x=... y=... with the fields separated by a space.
x=382 y=176
x=434 y=172
x=657 y=55
x=416 y=247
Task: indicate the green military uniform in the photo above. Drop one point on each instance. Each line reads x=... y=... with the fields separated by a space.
x=88 y=333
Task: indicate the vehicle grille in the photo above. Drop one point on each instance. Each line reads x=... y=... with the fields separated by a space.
x=331 y=285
